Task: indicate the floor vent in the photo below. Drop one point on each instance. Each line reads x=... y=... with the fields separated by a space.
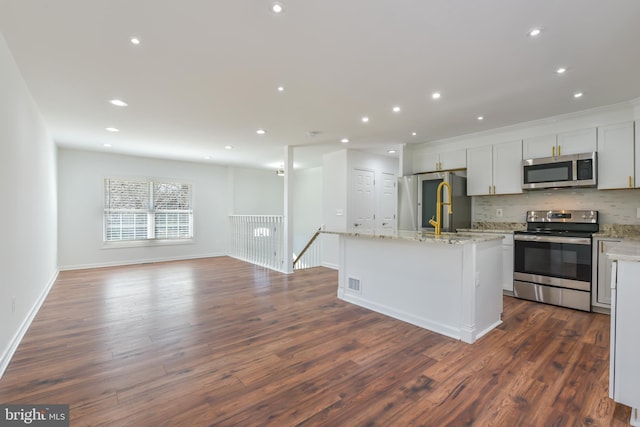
x=354 y=284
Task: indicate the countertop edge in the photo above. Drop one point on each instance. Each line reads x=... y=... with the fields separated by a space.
x=628 y=251
x=444 y=238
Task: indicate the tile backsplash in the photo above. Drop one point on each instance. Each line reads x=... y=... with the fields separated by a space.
x=614 y=206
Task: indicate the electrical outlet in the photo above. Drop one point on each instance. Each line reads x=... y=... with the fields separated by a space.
x=13 y=304
x=499 y=213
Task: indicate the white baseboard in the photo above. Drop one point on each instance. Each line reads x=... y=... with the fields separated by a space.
x=450 y=331
x=138 y=261
x=17 y=338
x=331 y=266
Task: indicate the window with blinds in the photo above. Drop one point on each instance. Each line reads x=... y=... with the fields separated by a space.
x=147 y=210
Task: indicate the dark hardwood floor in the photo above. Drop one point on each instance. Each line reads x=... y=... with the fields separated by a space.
x=221 y=342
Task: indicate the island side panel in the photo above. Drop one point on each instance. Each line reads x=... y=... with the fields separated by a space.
x=417 y=282
x=482 y=289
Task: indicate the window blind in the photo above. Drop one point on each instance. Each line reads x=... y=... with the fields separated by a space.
x=144 y=210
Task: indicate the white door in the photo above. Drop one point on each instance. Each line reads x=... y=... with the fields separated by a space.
x=386 y=213
x=363 y=202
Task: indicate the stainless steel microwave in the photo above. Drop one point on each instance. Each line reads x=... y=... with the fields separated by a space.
x=575 y=170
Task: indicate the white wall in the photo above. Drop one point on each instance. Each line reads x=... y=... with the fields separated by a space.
x=217 y=192
x=336 y=183
x=334 y=203
x=307 y=205
x=256 y=192
x=28 y=254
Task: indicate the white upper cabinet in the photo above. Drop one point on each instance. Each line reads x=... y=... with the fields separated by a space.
x=616 y=156
x=494 y=169
x=539 y=146
x=574 y=142
x=431 y=161
x=480 y=171
x=507 y=167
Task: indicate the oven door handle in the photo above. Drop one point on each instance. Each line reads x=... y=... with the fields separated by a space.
x=553 y=239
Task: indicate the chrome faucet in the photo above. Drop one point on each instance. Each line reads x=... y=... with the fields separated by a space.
x=439 y=203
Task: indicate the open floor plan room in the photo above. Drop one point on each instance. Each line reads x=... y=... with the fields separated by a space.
x=218 y=341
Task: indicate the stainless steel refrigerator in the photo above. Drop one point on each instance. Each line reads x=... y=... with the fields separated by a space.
x=417 y=201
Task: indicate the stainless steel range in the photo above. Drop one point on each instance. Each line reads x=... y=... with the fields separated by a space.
x=552 y=258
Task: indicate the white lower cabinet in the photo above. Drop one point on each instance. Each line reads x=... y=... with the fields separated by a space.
x=624 y=373
x=601 y=274
x=507 y=262
x=507 y=257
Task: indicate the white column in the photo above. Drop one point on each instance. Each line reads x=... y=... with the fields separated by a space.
x=288 y=210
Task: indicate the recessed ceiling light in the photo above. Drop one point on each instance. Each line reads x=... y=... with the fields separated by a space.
x=535 y=32
x=118 y=103
x=365 y=119
x=280 y=88
x=261 y=131
x=577 y=95
x=228 y=147
x=106 y=145
x=480 y=118
x=561 y=70
x=207 y=157
x=277 y=7
x=134 y=40
x=435 y=95
x=396 y=109
x=391 y=151
x=344 y=140
x=414 y=133
x=111 y=129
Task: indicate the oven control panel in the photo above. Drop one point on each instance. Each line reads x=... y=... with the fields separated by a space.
x=579 y=216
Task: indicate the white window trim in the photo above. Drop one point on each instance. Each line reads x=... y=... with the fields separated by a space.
x=149 y=242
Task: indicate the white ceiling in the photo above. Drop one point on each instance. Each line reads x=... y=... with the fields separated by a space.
x=206 y=71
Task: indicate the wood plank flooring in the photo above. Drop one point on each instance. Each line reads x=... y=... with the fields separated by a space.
x=221 y=342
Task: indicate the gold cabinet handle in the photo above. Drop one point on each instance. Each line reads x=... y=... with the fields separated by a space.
x=553 y=151
x=494 y=189
x=559 y=150
x=489 y=189
x=601 y=247
x=630 y=181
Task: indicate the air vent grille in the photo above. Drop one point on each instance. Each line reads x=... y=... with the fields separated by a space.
x=353 y=284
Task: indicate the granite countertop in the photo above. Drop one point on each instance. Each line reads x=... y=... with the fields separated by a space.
x=494 y=227
x=417 y=236
x=619 y=231
x=628 y=251
x=629 y=232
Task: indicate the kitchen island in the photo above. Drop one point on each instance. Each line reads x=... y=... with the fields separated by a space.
x=624 y=360
x=449 y=284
